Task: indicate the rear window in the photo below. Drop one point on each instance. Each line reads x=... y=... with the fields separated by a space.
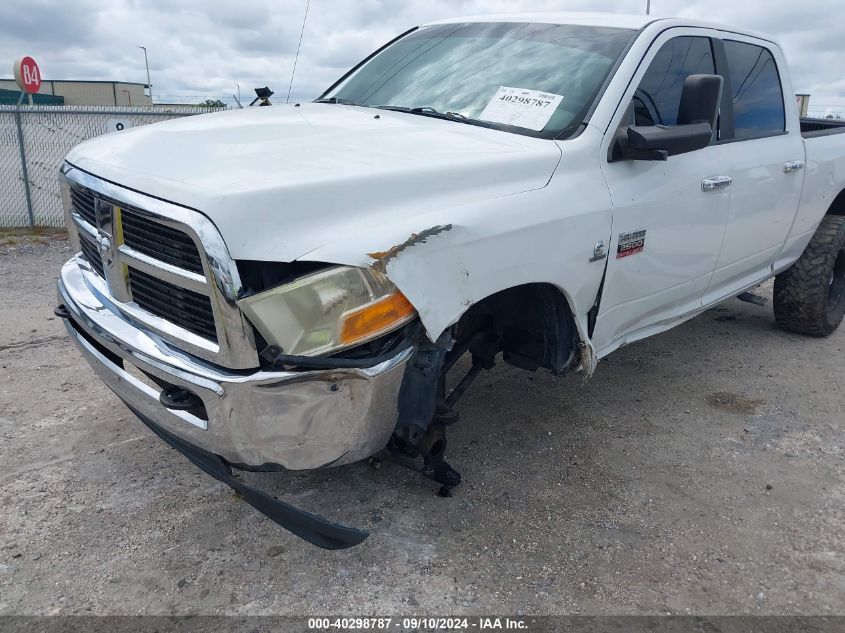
x=756 y=91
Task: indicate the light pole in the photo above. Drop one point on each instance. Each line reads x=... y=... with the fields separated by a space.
x=648 y=7
x=147 y=63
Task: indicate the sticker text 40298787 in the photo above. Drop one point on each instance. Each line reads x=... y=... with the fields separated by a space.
x=521 y=107
x=538 y=103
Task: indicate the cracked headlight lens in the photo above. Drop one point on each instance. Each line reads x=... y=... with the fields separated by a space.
x=328 y=310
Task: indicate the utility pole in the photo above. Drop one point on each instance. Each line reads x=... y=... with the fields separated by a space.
x=147 y=63
x=648 y=7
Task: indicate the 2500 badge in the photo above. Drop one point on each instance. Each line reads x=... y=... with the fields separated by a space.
x=630 y=243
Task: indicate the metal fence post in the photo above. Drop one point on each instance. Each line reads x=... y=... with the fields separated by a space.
x=23 y=165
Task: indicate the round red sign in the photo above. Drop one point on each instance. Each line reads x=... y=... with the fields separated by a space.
x=27 y=75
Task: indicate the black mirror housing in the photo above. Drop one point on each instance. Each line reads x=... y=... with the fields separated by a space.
x=676 y=139
x=697 y=117
x=659 y=142
x=700 y=100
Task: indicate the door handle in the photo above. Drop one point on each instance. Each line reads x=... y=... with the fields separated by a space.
x=792 y=165
x=716 y=182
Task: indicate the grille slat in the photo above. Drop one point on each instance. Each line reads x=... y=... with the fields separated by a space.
x=140 y=220
x=197 y=304
x=162 y=249
x=187 y=300
x=162 y=242
x=185 y=308
x=83 y=204
x=161 y=231
x=91 y=254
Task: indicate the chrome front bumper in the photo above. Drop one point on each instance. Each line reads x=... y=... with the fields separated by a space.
x=297 y=420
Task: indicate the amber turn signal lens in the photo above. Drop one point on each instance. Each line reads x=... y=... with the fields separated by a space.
x=375 y=318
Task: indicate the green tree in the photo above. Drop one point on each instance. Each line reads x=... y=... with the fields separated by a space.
x=212 y=103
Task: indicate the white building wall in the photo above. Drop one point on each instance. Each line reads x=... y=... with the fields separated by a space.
x=100 y=93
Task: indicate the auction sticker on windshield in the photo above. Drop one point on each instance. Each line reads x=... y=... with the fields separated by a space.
x=521 y=107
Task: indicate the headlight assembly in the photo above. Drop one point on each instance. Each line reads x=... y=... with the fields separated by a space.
x=329 y=310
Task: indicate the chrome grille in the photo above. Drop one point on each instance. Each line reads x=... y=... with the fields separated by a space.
x=164 y=266
x=162 y=242
x=181 y=306
x=83 y=204
x=91 y=254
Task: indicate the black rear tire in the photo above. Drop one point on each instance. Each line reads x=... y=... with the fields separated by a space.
x=809 y=297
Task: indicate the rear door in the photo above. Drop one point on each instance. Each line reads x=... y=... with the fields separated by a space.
x=765 y=162
x=667 y=227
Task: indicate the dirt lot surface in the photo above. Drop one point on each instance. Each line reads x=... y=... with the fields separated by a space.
x=700 y=471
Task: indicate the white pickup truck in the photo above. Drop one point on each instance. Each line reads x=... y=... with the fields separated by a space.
x=288 y=287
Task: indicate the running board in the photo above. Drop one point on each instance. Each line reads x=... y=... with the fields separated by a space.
x=750 y=297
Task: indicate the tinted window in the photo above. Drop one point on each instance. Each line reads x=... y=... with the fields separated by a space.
x=757 y=95
x=659 y=95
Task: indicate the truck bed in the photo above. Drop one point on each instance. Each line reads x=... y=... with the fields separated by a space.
x=821 y=127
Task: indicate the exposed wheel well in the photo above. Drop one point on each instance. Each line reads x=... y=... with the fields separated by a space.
x=532 y=325
x=837 y=207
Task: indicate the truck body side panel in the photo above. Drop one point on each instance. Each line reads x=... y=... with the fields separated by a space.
x=824 y=179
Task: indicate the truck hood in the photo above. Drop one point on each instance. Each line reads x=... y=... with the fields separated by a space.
x=283 y=181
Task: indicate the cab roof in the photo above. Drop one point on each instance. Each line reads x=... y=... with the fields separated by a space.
x=611 y=20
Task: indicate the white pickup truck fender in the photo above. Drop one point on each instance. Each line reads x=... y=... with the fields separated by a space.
x=446 y=260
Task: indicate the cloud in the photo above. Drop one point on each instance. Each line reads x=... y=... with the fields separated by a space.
x=199 y=48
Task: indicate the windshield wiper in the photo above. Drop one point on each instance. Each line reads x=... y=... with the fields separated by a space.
x=342 y=101
x=428 y=111
x=424 y=110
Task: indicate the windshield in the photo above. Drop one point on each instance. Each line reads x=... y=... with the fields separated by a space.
x=535 y=79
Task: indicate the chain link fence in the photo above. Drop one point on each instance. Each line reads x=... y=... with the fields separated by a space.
x=34 y=141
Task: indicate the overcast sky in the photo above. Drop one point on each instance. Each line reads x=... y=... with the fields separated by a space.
x=199 y=48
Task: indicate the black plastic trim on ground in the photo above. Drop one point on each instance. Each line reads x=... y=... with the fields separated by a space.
x=306 y=525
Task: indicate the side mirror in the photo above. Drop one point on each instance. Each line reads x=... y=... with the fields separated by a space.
x=700 y=100
x=697 y=115
x=659 y=142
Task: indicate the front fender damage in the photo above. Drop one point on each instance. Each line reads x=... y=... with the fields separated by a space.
x=383 y=258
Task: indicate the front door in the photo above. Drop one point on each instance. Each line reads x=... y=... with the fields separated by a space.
x=668 y=217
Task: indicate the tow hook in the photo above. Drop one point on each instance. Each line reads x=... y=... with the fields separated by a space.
x=61 y=311
x=179 y=399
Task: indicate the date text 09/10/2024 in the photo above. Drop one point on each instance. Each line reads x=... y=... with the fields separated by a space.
x=416 y=623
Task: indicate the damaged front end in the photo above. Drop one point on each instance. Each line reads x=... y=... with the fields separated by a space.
x=275 y=417
x=529 y=326
x=331 y=365
x=386 y=397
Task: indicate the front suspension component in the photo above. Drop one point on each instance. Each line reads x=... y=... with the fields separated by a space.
x=425 y=410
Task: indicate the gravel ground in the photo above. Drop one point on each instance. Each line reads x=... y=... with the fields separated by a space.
x=700 y=471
